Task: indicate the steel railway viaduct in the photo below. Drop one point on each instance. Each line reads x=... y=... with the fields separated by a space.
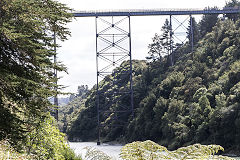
x=113 y=46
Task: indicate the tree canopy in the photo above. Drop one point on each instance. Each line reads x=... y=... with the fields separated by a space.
x=26 y=62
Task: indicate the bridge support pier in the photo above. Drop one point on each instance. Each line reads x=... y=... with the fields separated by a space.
x=113 y=47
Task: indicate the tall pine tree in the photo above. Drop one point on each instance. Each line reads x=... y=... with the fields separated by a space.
x=155 y=49
x=26 y=66
x=162 y=44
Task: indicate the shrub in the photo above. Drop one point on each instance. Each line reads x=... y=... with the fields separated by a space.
x=8 y=152
x=47 y=142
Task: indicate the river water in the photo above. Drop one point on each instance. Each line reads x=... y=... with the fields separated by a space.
x=110 y=150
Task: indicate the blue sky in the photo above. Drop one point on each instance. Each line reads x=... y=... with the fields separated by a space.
x=78 y=53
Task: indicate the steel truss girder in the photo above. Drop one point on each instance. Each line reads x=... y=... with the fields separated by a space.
x=113 y=46
x=155 y=12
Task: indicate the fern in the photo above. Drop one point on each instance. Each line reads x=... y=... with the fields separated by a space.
x=95 y=154
x=143 y=150
x=149 y=150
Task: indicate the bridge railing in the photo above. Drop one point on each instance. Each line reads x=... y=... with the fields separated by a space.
x=156 y=11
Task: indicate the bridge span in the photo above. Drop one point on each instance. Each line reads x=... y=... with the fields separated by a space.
x=152 y=12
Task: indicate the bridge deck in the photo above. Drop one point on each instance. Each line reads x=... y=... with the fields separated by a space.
x=151 y=12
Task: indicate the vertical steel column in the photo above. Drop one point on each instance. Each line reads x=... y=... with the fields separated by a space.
x=130 y=55
x=98 y=141
x=55 y=75
x=171 y=42
x=192 y=34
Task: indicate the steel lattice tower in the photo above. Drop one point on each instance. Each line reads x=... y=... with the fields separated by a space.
x=113 y=47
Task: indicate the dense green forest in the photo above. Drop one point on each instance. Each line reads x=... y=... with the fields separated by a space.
x=68 y=113
x=180 y=99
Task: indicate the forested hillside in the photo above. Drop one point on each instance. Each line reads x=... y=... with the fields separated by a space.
x=69 y=112
x=196 y=100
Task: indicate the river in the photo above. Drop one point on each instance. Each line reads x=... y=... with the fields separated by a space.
x=111 y=150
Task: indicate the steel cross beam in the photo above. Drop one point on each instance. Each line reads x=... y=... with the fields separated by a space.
x=113 y=47
x=152 y=12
